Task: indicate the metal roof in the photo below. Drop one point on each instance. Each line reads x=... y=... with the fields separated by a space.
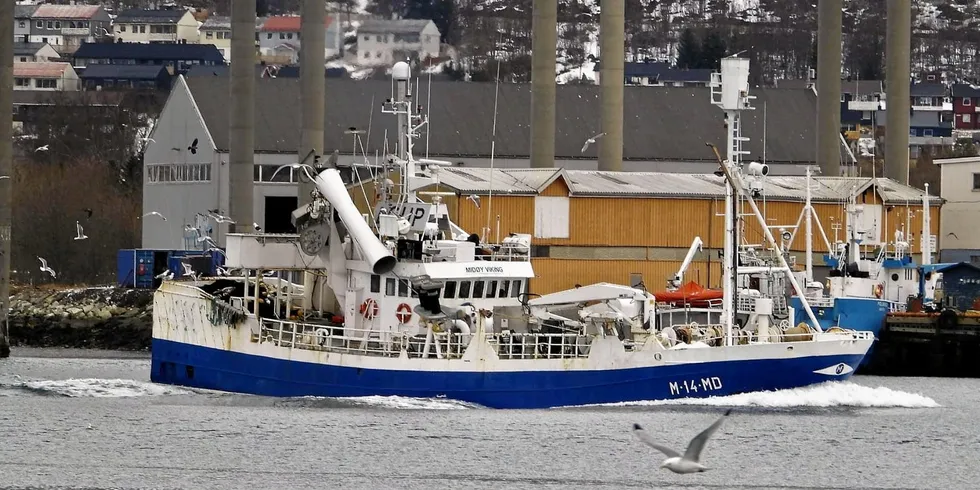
x=665 y=185
x=66 y=11
x=669 y=124
x=40 y=69
x=141 y=51
x=147 y=16
x=287 y=23
x=398 y=26
x=27 y=49
x=927 y=89
x=24 y=11
x=123 y=72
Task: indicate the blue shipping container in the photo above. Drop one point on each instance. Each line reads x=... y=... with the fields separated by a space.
x=138 y=268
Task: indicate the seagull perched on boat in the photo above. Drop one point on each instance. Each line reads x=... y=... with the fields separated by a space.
x=475 y=198
x=80 y=232
x=45 y=268
x=154 y=213
x=591 y=141
x=690 y=462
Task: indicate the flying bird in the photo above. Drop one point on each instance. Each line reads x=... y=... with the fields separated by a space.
x=220 y=218
x=147 y=139
x=166 y=275
x=475 y=199
x=154 y=213
x=193 y=147
x=953 y=235
x=591 y=141
x=4 y=177
x=88 y=212
x=690 y=462
x=45 y=268
x=41 y=148
x=80 y=232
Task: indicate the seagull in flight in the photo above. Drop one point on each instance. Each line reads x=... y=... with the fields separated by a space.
x=953 y=235
x=88 y=212
x=220 y=218
x=154 y=213
x=45 y=268
x=193 y=147
x=41 y=148
x=475 y=199
x=166 y=275
x=690 y=462
x=591 y=141
x=79 y=231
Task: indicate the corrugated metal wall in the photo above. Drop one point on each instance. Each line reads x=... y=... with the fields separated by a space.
x=558 y=274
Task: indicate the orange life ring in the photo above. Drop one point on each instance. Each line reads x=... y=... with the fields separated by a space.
x=369 y=308
x=878 y=290
x=404 y=313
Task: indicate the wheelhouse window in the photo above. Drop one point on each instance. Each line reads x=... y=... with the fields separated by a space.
x=478 y=289
x=515 y=290
x=491 y=289
x=403 y=288
x=375 y=283
x=464 y=290
x=504 y=287
x=449 y=292
x=390 y=286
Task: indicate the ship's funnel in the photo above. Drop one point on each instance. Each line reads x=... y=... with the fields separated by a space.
x=374 y=252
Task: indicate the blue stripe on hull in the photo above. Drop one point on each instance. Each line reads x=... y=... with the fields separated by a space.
x=203 y=367
x=862 y=314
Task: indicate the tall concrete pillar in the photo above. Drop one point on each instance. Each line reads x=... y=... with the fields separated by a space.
x=6 y=165
x=898 y=46
x=242 y=131
x=544 y=46
x=828 y=86
x=312 y=83
x=612 y=51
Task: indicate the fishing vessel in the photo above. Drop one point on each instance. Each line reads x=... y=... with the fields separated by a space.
x=867 y=278
x=430 y=310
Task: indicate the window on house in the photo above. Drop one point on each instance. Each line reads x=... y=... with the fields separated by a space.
x=142 y=29
x=367 y=38
x=282 y=35
x=57 y=25
x=122 y=27
x=925 y=101
x=46 y=83
x=23 y=59
x=22 y=82
x=289 y=35
x=268 y=36
x=22 y=24
x=976 y=182
x=50 y=25
x=912 y=132
x=967 y=118
x=208 y=35
x=40 y=24
x=927 y=132
x=967 y=101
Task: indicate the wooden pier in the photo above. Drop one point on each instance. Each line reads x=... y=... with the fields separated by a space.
x=945 y=344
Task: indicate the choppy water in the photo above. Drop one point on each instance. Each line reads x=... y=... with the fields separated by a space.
x=89 y=419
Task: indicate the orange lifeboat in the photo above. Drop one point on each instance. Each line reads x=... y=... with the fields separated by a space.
x=692 y=294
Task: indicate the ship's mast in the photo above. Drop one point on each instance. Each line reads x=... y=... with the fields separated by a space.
x=809 y=231
x=926 y=229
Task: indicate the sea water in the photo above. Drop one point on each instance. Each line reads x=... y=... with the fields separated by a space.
x=91 y=419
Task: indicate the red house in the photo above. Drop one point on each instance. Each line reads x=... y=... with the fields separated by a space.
x=966 y=99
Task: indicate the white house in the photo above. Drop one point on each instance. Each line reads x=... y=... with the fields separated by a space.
x=45 y=76
x=280 y=36
x=959 y=235
x=172 y=25
x=28 y=52
x=66 y=27
x=384 y=42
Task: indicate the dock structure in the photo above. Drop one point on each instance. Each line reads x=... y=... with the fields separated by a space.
x=942 y=344
x=241 y=165
x=6 y=165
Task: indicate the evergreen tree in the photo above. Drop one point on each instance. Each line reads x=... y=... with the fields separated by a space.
x=713 y=49
x=688 y=50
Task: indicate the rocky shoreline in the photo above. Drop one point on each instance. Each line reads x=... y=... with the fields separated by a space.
x=94 y=317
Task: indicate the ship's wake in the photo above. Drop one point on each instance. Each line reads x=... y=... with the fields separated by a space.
x=391 y=402
x=826 y=395
x=90 y=388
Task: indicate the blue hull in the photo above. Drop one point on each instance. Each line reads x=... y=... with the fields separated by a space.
x=202 y=367
x=862 y=314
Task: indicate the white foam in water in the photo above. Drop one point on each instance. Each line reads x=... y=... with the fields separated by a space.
x=407 y=403
x=105 y=388
x=831 y=394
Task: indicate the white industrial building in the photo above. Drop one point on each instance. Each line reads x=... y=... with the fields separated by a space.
x=179 y=184
x=959 y=235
